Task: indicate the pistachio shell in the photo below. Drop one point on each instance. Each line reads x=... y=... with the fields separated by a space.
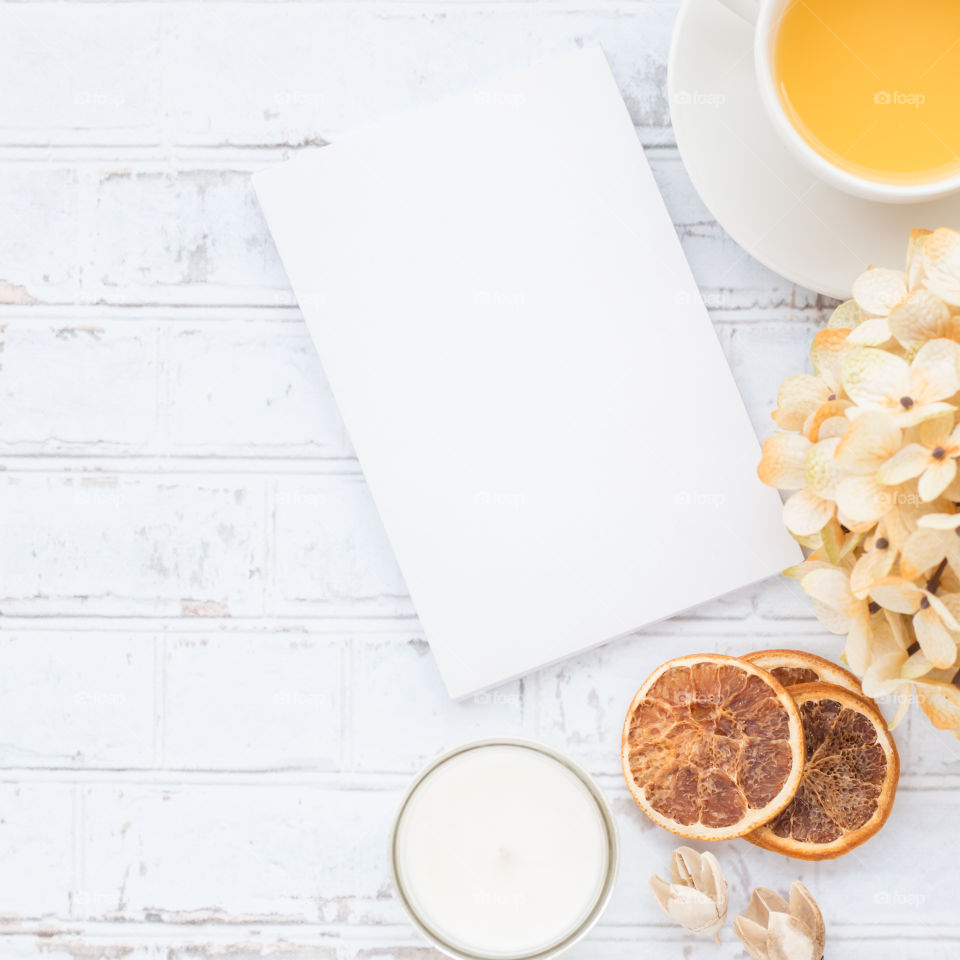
x=772 y=929
x=697 y=896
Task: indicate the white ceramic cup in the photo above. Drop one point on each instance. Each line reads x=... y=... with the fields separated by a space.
x=765 y=15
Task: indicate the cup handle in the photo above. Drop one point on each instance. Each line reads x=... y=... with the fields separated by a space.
x=747 y=10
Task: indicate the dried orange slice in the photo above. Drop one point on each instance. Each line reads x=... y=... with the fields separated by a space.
x=712 y=747
x=849 y=780
x=791 y=667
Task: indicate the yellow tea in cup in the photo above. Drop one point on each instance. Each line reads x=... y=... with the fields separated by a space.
x=874 y=85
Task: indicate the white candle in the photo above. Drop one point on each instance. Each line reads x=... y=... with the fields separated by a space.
x=502 y=850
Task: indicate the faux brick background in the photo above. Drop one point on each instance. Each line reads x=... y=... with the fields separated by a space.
x=213 y=687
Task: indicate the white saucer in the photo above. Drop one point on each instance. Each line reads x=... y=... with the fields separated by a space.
x=782 y=215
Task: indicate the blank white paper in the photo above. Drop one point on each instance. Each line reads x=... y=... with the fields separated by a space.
x=533 y=387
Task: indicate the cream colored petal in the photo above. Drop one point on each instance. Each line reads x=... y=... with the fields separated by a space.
x=935 y=431
x=852 y=540
x=920 y=412
x=917 y=509
x=857 y=649
x=953 y=561
x=877 y=533
x=823 y=472
x=831 y=410
x=935 y=371
x=872 y=439
x=815 y=561
x=898 y=630
x=905 y=464
x=859 y=526
x=922 y=316
x=943 y=612
x=836 y=614
x=908 y=352
x=897 y=594
x=882 y=678
x=863 y=499
x=935 y=640
x=874 y=378
x=798 y=397
x=831 y=588
x=878 y=290
x=832 y=426
x=936 y=478
x=941 y=676
x=805 y=513
x=826 y=355
x=784 y=461
x=900 y=523
x=940 y=521
x=941 y=703
x=871 y=566
x=952 y=602
x=941 y=264
x=830 y=619
x=887 y=658
x=923 y=549
x=953 y=491
x=904 y=697
x=916 y=665
x=915 y=256
x=871 y=333
x=846 y=316
x=836 y=543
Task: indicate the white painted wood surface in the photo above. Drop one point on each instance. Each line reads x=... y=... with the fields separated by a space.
x=212 y=682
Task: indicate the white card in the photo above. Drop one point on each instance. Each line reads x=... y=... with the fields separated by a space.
x=532 y=385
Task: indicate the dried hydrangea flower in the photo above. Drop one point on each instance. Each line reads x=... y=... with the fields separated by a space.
x=934 y=625
x=876 y=293
x=931 y=460
x=877 y=379
x=869 y=447
x=936 y=538
x=792 y=462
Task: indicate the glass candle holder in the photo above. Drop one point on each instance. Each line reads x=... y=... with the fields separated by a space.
x=503 y=849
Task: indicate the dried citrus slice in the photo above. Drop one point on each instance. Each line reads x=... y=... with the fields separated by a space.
x=849 y=780
x=791 y=667
x=712 y=747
